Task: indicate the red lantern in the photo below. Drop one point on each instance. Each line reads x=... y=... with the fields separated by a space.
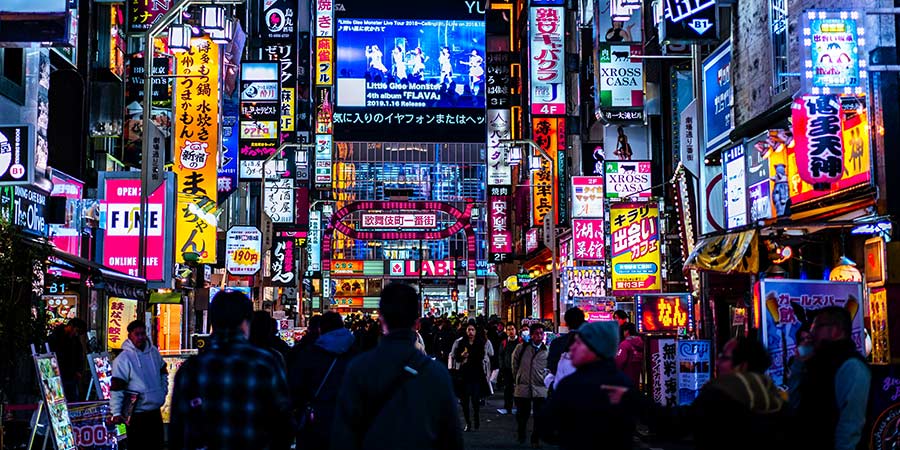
x=818 y=124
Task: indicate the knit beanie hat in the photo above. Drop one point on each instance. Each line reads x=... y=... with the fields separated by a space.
x=601 y=337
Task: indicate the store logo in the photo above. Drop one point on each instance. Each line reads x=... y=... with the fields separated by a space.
x=194 y=155
x=275 y=20
x=700 y=25
x=7 y=165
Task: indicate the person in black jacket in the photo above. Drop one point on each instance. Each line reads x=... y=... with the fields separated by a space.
x=595 y=404
x=314 y=376
x=394 y=397
x=505 y=351
x=574 y=318
x=65 y=341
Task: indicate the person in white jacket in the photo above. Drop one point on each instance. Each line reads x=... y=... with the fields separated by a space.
x=139 y=369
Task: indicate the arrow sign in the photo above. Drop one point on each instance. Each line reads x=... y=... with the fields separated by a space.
x=700 y=25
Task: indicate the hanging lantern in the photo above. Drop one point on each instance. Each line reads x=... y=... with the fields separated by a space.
x=224 y=35
x=818 y=139
x=179 y=37
x=845 y=271
x=213 y=18
x=514 y=156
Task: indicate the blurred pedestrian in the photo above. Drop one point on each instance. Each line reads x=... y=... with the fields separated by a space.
x=529 y=364
x=506 y=378
x=443 y=341
x=395 y=397
x=470 y=356
x=139 y=369
x=314 y=377
x=621 y=318
x=65 y=342
x=630 y=355
x=559 y=349
x=234 y=395
x=264 y=334
x=595 y=407
x=833 y=391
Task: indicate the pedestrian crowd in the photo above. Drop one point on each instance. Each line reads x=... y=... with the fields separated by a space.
x=405 y=382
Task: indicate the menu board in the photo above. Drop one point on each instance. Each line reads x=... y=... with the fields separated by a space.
x=55 y=400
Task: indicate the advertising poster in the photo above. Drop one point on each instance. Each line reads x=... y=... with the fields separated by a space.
x=243 y=251
x=60 y=309
x=547 y=60
x=767 y=180
x=282 y=256
x=120 y=312
x=694 y=363
x=878 y=316
x=583 y=282
x=625 y=143
x=592 y=158
x=324 y=18
x=619 y=22
x=196 y=150
x=621 y=76
x=831 y=50
x=689 y=22
x=788 y=304
x=665 y=314
x=550 y=135
x=260 y=113
x=55 y=401
x=91 y=428
x=588 y=238
x=663 y=372
x=856 y=154
x=119 y=213
x=173 y=363
x=628 y=180
x=25 y=208
x=499 y=129
x=734 y=173
x=587 y=197
x=717 y=97
x=101 y=372
x=499 y=232
x=634 y=230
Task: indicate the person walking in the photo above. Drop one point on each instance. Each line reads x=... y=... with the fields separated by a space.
x=833 y=391
x=65 y=341
x=630 y=355
x=140 y=369
x=263 y=334
x=596 y=397
x=529 y=364
x=394 y=396
x=505 y=351
x=234 y=395
x=470 y=356
x=314 y=377
x=559 y=349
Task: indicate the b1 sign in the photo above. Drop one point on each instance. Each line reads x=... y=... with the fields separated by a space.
x=16 y=155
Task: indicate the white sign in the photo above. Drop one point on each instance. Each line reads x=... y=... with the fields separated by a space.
x=629 y=180
x=734 y=175
x=621 y=76
x=688 y=140
x=243 y=251
x=252 y=169
x=547 y=60
x=499 y=170
x=314 y=242
x=324 y=18
x=122 y=219
x=279 y=200
x=587 y=197
x=388 y=220
x=323 y=158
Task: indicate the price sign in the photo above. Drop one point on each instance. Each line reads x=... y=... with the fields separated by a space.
x=243 y=247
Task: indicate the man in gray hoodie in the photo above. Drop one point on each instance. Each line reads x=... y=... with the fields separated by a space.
x=139 y=369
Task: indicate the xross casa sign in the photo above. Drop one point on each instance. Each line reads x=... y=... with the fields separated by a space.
x=440 y=268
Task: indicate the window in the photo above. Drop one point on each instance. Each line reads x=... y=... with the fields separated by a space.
x=778 y=15
x=12 y=74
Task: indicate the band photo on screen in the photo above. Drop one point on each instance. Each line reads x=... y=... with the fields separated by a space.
x=410 y=63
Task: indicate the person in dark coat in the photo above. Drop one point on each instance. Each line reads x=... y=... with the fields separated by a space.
x=65 y=341
x=443 y=341
x=395 y=397
x=559 y=348
x=596 y=404
x=315 y=375
x=469 y=357
x=630 y=356
x=505 y=351
x=263 y=330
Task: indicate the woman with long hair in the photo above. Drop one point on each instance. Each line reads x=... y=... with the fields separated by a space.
x=468 y=358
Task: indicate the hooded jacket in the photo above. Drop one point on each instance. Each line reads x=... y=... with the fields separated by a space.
x=630 y=357
x=142 y=371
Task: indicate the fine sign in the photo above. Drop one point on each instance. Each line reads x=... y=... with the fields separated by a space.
x=243 y=249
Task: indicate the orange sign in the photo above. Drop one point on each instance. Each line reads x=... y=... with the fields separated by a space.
x=196 y=130
x=550 y=134
x=348 y=302
x=664 y=313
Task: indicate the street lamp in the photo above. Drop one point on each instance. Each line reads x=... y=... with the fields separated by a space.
x=518 y=143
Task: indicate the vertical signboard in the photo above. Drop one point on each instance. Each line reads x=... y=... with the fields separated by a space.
x=260 y=115
x=500 y=235
x=588 y=238
x=818 y=143
x=16 y=155
x=54 y=398
x=718 y=119
x=499 y=129
x=281 y=258
x=279 y=200
x=120 y=313
x=735 y=185
x=228 y=169
x=324 y=73
x=635 y=252
x=621 y=76
x=550 y=135
x=196 y=112
x=587 y=197
x=547 y=60
x=314 y=244
x=324 y=18
x=663 y=370
x=243 y=251
x=143 y=13
x=832 y=53
x=694 y=368
x=628 y=180
x=688 y=143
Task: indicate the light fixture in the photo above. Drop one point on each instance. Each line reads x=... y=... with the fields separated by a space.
x=845 y=271
x=535 y=163
x=213 y=18
x=514 y=156
x=179 y=37
x=224 y=35
x=302 y=158
x=776 y=271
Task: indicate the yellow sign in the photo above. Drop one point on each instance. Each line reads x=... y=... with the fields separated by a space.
x=324 y=61
x=634 y=230
x=196 y=130
x=287 y=109
x=881 y=347
x=550 y=134
x=120 y=313
x=246 y=256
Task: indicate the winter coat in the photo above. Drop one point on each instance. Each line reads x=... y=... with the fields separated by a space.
x=467 y=375
x=507 y=347
x=141 y=371
x=420 y=413
x=630 y=357
x=529 y=365
x=580 y=415
x=306 y=371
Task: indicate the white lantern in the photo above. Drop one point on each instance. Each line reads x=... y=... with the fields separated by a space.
x=224 y=35
x=213 y=18
x=180 y=37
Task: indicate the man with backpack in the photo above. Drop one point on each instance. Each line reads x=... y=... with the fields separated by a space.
x=394 y=396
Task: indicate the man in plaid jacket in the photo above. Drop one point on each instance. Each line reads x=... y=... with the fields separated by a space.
x=233 y=395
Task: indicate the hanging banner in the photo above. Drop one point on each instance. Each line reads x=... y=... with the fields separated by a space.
x=589 y=238
x=550 y=135
x=587 y=197
x=499 y=129
x=718 y=118
x=547 y=60
x=628 y=180
x=734 y=176
x=324 y=18
x=832 y=53
x=689 y=148
x=282 y=259
x=582 y=282
x=279 y=200
x=120 y=313
x=689 y=22
x=196 y=130
x=243 y=251
x=694 y=363
x=635 y=252
x=818 y=143
x=260 y=110
x=499 y=232
x=621 y=77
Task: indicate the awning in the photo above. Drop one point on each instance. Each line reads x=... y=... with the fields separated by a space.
x=115 y=283
x=728 y=253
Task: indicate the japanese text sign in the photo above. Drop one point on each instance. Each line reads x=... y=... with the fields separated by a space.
x=531 y=239
x=583 y=282
x=634 y=230
x=663 y=372
x=143 y=13
x=550 y=135
x=243 y=251
x=664 y=313
x=398 y=221
x=587 y=197
x=324 y=18
x=279 y=200
x=818 y=143
x=260 y=109
x=621 y=76
x=588 y=236
x=734 y=175
x=500 y=235
x=717 y=97
x=120 y=313
x=324 y=61
x=689 y=21
x=196 y=130
x=694 y=368
x=282 y=259
x=628 y=179
x=832 y=52
x=499 y=128
x=547 y=60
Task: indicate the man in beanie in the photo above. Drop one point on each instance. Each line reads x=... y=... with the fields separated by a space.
x=234 y=395
x=597 y=397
